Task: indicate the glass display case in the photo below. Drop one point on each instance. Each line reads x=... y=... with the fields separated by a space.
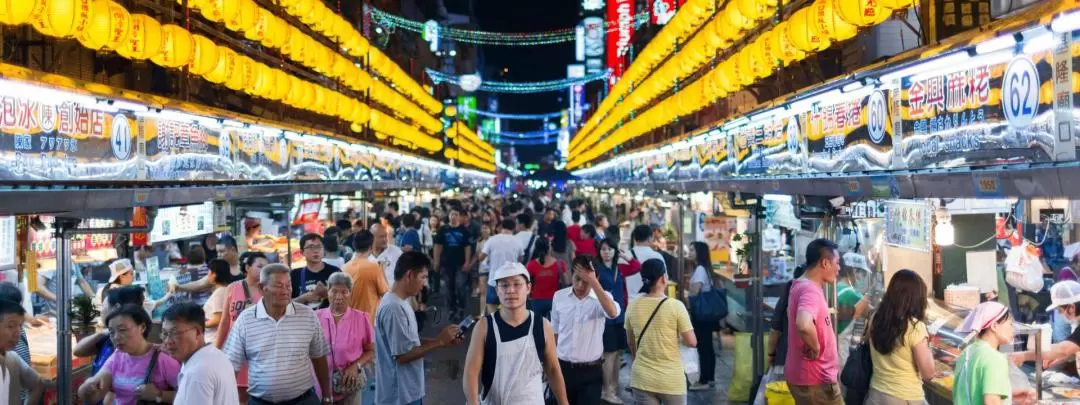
x=1054 y=386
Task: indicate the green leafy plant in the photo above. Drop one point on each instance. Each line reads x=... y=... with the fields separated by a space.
x=748 y=242
x=83 y=313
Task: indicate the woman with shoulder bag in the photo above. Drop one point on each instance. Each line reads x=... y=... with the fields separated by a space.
x=899 y=343
x=351 y=340
x=701 y=282
x=655 y=325
x=137 y=373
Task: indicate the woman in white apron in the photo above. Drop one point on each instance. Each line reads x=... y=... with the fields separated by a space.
x=504 y=364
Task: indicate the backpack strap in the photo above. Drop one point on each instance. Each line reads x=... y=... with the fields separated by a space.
x=150 y=371
x=247 y=293
x=528 y=250
x=655 y=310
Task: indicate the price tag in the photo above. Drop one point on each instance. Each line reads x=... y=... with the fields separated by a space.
x=1020 y=92
x=987 y=186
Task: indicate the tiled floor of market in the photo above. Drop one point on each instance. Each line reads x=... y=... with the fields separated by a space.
x=444 y=369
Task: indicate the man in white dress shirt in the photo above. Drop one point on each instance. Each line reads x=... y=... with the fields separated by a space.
x=578 y=316
x=206 y=376
x=642 y=250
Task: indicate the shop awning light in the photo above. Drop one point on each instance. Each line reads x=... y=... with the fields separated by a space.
x=736 y=123
x=777 y=197
x=940 y=63
x=234 y=124
x=1037 y=40
x=126 y=105
x=768 y=114
x=850 y=87
x=1066 y=22
x=996 y=44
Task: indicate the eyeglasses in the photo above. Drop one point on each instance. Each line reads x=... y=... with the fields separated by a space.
x=173 y=334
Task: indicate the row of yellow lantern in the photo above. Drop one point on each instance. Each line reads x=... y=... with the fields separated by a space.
x=688 y=19
x=808 y=30
x=461 y=156
x=385 y=125
x=321 y=19
x=100 y=24
x=258 y=24
x=464 y=136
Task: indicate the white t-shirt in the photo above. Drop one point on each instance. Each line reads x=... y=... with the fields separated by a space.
x=701 y=276
x=207 y=378
x=338 y=262
x=388 y=260
x=501 y=249
x=523 y=238
x=642 y=253
x=213 y=305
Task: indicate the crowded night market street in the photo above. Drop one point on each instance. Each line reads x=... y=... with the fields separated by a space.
x=561 y=202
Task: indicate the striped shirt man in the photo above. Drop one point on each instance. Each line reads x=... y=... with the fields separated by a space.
x=279 y=352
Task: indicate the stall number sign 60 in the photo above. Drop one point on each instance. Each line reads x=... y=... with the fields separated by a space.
x=1020 y=93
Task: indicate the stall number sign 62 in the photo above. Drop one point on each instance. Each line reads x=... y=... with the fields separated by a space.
x=1020 y=93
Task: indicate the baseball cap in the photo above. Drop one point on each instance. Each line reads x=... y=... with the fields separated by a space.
x=982 y=317
x=1064 y=293
x=119 y=268
x=510 y=269
x=651 y=272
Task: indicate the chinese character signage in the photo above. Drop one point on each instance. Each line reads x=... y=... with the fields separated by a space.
x=258 y=155
x=850 y=135
x=907 y=225
x=64 y=140
x=620 y=17
x=768 y=146
x=178 y=150
x=979 y=115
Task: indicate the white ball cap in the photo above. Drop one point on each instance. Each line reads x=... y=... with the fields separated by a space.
x=511 y=269
x=1064 y=293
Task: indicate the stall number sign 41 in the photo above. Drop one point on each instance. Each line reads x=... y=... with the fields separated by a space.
x=1020 y=93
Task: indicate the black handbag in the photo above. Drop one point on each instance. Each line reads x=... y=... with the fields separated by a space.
x=856 y=374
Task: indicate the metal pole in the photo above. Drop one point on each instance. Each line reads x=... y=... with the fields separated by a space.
x=63 y=306
x=680 y=286
x=754 y=300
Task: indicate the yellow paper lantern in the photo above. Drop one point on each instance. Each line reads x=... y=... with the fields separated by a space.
x=897 y=4
x=830 y=24
x=318 y=10
x=98 y=29
x=282 y=85
x=220 y=10
x=260 y=29
x=782 y=46
x=277 y=34
x=805 y=33
x=15 y=12
x=756 y=10
x=736 y=19
x=766 y=49
x=297 y=43
x=741 y=68
x=176 y=47
x=63 y=18
x=144 y=40
x=225 y=66
x=245 y=16
x=242 y=75
x=301 y=7
x=204 y=55
x=723 y=78
x=450 y=111
x=861 y=13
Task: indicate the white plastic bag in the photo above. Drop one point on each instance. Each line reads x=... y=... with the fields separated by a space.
x=1023 y=269
x=691 y=365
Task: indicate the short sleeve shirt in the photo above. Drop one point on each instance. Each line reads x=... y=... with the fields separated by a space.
x=501 y=249
x=454 y=240
x=304 y=280
x=981 y=370
x=128 y=372
x=658 y=366
x=895 y=373
x=395 y=335
x=808 y=296
x=701 y=276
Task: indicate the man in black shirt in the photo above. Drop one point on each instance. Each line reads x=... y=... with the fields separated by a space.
x=453 y=249
x=309 y=282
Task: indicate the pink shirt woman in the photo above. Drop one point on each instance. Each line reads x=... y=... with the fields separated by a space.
x=351 y=338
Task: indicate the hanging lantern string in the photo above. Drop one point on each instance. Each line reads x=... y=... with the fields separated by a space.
x=520 y=87
x=388 y=20
x=507 y=116
x=523 y=135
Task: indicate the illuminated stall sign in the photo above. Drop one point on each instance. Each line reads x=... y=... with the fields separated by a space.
x=907 y=225
x=769 y=146
x=64 y=141
x=718 y=161
x=620 y=15
x=172 y=223
x=981 y=115
x=177 y=150
x=310 y=158
x=258 y=155
x=364 y=162
x=851 y=135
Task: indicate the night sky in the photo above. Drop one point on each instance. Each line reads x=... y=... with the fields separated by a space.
x=530 y=63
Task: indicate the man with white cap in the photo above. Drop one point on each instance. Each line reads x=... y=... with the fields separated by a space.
x=512 y=350
x=1065 y=298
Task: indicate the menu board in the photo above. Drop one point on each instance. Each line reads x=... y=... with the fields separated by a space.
x=770 y=146
x=850 y=135
x=907 y=225
x=64 y=140
x=7 y=242
x=178 y=150
x=43 y=244
x=979 y=115
x=172 y=223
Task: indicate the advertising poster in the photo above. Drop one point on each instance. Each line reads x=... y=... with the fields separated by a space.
x=258 y=155
x=620 y=22
x=720 y=162
x=64 y=140
x=985 y=114
x=718 y=231
x=312 y=158
x=172 y=223
x=769 y=146
x=177 y=150
x=851 y=135
x=907 y=225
